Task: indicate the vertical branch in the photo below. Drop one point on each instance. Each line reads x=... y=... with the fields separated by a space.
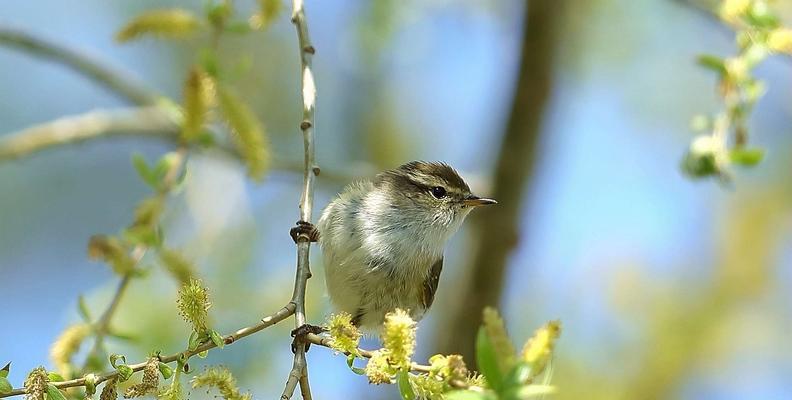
x=299 y=371
x=498 y=234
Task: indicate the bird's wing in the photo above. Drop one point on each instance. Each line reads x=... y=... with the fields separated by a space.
x=431 y=282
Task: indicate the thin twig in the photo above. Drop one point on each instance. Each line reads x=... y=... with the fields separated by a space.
x=102 y=325
x=118 y=82
x=298 y=373
x=266 y=322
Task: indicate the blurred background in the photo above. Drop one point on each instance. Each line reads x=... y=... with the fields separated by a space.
x=667 y=288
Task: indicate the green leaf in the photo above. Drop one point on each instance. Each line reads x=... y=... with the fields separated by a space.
x=699 y=165
x=55 y=377
x=165 y=370
x=194 y=341
x=5 y=385
x=124 y=372
x=4 y=372
x=203 y=354
x=714 y=63
x=467 y=395
x=127 y=337
x=82 y=308
x=746 y=157
x=90 y=384
x=116 y=357
x=217 y=339
x=487 y=360
x=351 y=361
x=518 y=375
x=143 y=170
x=405 y=389
x=53 y=393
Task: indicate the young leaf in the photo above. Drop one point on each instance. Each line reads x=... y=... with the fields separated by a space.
x=124 y=372
x=217 y=339
x=714 y=63
x=6 y=369
x=143 y=170
x=350 y=364
x=114 y=358
x=746 y=157
x=165 y=370
x=405 y=389
x=518 y=376
x=171 y=23
x=82 y=308
x=5 y=385
x=487 y=360
x=53 y=393
x=55 y=377
x=248 y=132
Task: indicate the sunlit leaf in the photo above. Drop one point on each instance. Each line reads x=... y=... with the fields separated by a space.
x=405 y=389
x=54 y=394
x=488 y=360
x=747 y=157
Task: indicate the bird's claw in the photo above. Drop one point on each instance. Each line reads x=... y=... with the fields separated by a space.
x=301 y=332
x=304 y=230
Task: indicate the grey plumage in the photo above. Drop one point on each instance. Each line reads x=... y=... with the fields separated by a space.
x=382 y=240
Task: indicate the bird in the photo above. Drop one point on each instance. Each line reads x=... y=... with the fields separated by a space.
x=382 y=240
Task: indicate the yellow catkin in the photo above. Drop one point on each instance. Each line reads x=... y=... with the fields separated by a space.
x=193 y=303
x=780 y=40
x=221 y=379
x=538 y=350
x=65 y=346
x=36 y=384
x=248 y=132
x=732 y=10
x=345 y=336
x=110 y=390
x=398 y=337
x=164 y=23
x=198 y=98
x=378 y=369
x=148 y=384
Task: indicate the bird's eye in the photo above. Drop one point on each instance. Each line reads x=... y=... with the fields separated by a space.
x=438 y=192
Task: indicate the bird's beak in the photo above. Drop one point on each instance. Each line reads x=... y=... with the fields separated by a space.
x=475 y=201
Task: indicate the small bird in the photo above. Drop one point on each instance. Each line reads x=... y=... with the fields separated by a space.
x=382 y=240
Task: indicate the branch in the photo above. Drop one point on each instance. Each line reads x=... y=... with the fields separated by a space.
x=143 y=122
x=118 y=82
x=299 y=371
x=324 y=341
x=266 y=322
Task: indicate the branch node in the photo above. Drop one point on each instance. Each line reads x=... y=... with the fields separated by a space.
x=309 y=49
x=305 y=125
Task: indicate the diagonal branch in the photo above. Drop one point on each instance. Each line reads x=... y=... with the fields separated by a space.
x=117 y=81
x=143 y=121
x=299 y=371
x=266 y=322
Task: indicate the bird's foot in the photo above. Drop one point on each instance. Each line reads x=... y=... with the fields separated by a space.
x=304 y=230
x=301 y=332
